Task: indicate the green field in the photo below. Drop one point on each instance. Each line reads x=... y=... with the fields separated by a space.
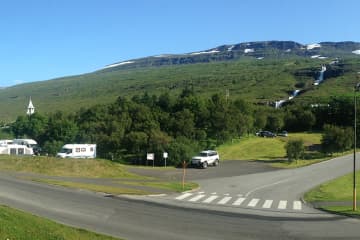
x=18 y=225
x=338 y=190
x=267 y=149
x=45 y=167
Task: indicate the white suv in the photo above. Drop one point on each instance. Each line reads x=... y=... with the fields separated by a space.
x=206 y=158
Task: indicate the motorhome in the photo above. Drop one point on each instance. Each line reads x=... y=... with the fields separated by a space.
x=77 y=151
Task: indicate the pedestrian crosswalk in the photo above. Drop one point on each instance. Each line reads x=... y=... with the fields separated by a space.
x=240 y=201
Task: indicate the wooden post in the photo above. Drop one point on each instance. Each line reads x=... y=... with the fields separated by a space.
x=183 y=177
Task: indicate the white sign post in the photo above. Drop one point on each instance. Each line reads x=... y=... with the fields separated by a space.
x=165 y=156
x=151 y=157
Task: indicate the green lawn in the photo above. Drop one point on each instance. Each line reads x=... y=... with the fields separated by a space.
x=258 y=148
x=340 y=189
x=18 y=225
x=337 y=190
x=87 y=168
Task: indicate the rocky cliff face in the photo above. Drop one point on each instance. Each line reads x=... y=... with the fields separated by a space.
x=257 y=50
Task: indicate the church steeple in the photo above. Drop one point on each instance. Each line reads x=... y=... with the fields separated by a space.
x=30 y=109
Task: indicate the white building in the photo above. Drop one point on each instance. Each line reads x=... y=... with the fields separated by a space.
x=30 y=109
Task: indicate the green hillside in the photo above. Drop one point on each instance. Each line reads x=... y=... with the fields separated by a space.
x=260 y=80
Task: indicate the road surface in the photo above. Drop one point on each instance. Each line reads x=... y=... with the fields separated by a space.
x=168 y=218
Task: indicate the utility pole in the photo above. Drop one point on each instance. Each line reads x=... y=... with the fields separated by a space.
x=356 y=89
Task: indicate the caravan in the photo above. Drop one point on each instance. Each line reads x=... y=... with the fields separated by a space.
x=77 y=151
x=30 y=143
x=15 y=147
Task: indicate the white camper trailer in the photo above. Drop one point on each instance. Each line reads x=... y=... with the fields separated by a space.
x=30 y=143
x=77 y=151
x=14 y=147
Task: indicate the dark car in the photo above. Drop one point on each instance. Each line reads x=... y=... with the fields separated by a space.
x=266 y=134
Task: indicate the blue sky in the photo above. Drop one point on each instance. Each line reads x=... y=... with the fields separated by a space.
x=46 y=39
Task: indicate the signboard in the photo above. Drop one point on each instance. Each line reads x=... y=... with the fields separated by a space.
x=150 y=156
x=165 y=156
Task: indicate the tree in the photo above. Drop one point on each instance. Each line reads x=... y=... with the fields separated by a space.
x=181 y=149
x=294 y=149
x=336 y=139
x=298 y=118
x=275 y=122
x=183 y=124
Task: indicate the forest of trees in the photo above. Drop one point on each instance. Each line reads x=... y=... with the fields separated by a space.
x=129 y=128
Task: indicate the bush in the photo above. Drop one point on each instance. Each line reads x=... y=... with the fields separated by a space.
x=181 y=150
x=294 y=149
x=336 y=139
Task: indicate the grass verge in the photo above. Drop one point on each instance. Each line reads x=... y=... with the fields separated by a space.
x=93 y=187
x=332 y=193
x=16 y=224
x=173 y=186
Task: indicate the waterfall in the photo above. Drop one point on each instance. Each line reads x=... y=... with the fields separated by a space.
x=321 y=76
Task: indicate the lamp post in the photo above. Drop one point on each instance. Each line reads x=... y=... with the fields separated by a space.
x=354 y=164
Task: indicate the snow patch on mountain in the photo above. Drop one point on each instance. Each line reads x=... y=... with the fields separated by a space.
x=205 y=52
x=356 y=52
x=312 y=46
x=118 y=64
x=249 y=50
x=231 y=48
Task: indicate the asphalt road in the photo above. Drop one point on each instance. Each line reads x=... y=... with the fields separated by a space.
x=134 y=219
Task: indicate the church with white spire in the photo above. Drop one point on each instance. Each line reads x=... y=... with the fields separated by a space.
x=30 y=109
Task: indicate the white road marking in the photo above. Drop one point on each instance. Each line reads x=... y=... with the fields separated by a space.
x=182 y=197
x=282 y=204
x=238 y=202
x=210 y=199
x=214 y=193
x=196 y=198
x=224 y=200
x=267 y=204
x=201 y=192
x=264 y=186
x=253 y=202
x=297 y=205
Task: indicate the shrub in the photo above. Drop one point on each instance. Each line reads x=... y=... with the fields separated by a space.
x=294 y=149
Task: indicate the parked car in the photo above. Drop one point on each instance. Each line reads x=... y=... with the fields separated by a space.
x=206 y=158
x=283 y=134
x=266 y=134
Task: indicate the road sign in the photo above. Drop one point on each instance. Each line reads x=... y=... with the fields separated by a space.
x=150 y=157
x=165 y=156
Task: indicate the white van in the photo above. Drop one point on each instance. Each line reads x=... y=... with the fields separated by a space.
x=77 y=151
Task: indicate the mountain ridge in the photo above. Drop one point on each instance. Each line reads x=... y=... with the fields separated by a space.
x=257 y=49
x=260 y=72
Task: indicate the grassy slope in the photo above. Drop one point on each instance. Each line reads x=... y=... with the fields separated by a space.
x=255 y=80
x=89 y=168
x=19 y=225
x=94 y=168
x=257 y=148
